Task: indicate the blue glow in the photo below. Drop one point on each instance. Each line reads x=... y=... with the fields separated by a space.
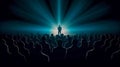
x=20 y=26
x=59 y=11
x=77 y=7
x=78 y=18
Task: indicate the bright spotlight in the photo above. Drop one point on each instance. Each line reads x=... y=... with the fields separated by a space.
x=55 y=30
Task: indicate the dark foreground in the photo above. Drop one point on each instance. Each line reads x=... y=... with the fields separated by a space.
x=83 y=50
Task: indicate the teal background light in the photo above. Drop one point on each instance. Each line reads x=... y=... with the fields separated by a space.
x=75 y=16
x=59 y=11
